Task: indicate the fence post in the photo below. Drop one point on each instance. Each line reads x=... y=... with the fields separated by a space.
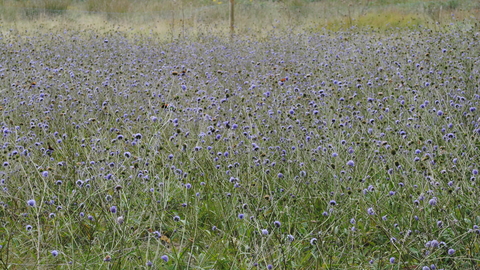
x=232 y=17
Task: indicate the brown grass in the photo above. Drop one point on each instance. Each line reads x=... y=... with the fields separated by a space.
x=181 y=18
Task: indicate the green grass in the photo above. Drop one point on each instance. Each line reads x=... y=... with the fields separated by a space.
x=56 y=104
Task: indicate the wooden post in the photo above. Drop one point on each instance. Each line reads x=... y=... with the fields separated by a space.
x=232 y=17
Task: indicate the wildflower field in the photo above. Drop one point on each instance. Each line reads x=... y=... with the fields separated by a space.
x=308 y=150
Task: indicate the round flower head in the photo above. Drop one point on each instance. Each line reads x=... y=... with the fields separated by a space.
x=451 y=251
x=392 y=260
x=264 y=231
x=120 y=220
x=351 y=163
x=31 y=203
x=277 y=224
x=54 y=253
x=290 y=238
x=176 y=218
x=313 y=241
x=165 y=258
x=113 y=209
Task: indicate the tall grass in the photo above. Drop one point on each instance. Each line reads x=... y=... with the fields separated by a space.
x=251 y=15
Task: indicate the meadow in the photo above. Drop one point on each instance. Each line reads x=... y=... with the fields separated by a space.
x=344 y=148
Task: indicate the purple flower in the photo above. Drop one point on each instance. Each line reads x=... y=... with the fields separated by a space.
x=54 y=253
x=290 y=238
x=370 y=211
x=433 y=201
x=31 y=203
x=164 y=257
x=241 y=216
x=333 y=202
x=28 y=227
x=392 y=260
x=127 y=154
x=351 y=163
x=113 y=209
x=313 y=241
x=45 y=173
x=264 y=231
x=280 y=175
x=277 y=224
x=269 y=266
x=451 y=251
x=176 y=218
x=188 y=186
x=120 y=220
x=149 y=264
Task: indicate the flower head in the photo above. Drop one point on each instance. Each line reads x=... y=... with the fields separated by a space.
x=31 y=203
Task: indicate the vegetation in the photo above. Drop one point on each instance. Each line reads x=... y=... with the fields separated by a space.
x=345 y=145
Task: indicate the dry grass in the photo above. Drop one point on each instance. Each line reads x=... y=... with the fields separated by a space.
x=180 y=18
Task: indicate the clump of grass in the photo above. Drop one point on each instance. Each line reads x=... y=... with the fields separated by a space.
x=109 y=6
x=382 y=21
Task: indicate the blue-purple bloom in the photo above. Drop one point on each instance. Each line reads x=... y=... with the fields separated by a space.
x=290 y=238
x=165 y=258
x=31 y=203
